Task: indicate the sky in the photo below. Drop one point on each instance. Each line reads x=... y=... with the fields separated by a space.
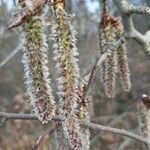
x=9 y=3
x=93 y=5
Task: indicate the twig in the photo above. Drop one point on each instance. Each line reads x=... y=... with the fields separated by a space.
x=123 y=132
x=92 y=126
x=41 y=137
x=11 y=55
x=92 y=74
x=126 y=10
x=102 y=119
x=23 y=116
x=115 y=120
x=130 y=8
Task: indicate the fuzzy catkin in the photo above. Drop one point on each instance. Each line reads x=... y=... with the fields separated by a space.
x=144 y=118
x=108 y=68
x=123 y=67
x=110 y=39
x=65 y=52
x=110 y=76
x=36 y=71
x=83 y=113
x=144 y=115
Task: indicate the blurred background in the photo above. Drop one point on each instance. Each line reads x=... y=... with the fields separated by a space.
x=120 y=112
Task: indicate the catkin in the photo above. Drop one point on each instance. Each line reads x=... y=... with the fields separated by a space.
x=110 y=76
x=108 y=68
x=36 y=71
x=144 y=117
x=110 y=35
x=65 y=52
x=83 y=113
x=123 y=68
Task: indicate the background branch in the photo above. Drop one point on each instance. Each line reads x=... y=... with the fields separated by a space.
x=92 y=126
x=91 y=76
x=126 y=10
x=23 y=116
x=41 y=137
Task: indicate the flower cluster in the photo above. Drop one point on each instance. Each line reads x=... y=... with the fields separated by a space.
x=35 y=66
x=110 y=40
x=144 y=116
x=83 y=112
x=65 y=55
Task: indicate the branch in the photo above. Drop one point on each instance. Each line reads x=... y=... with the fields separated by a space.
x=123 y=132
x=11 y=55
x=23 y=116
x=92 y=126
x=92 y=74
x=132 y=9
x=126 y=10
x=115 y=120
x=41 y=137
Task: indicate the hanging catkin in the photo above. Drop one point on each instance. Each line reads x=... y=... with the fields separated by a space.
x=35 y=67
x=110 y=35
x=65 y=52
x=106 y=38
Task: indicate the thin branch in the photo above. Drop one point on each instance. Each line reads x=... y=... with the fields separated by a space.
x=41 y=137
x=123 y=132
x=92 y=74
x=92 y=126
x=23 y=116
x=11 y=55
x=126 y=10
x=115 y=120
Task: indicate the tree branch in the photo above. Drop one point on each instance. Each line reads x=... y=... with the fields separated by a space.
x=123 y=132
x=91 y=76
x=11 y=55
x=41 y=137
x=23 y=116
x=126 y=10
x=92 y=126
x=132 y=9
